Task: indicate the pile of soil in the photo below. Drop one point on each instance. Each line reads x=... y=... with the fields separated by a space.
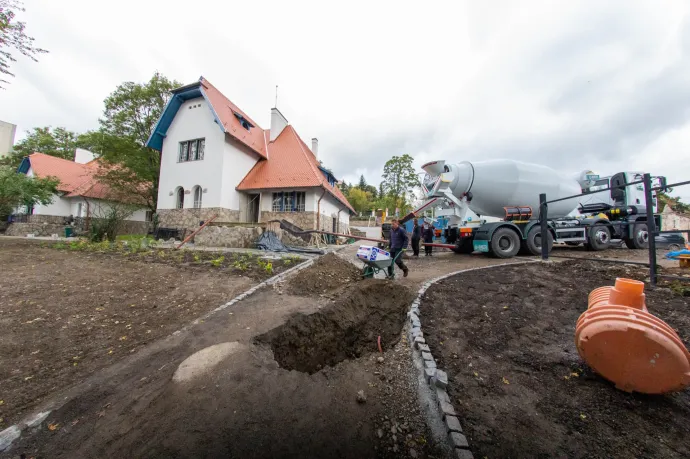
x=328 y=273
x=348 y=328
x=517 y=379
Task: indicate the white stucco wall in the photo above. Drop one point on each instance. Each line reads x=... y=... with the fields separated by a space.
x=59 y=206
x=330 y=207
x=238 y=160
x=189 y=124
x=99 y=208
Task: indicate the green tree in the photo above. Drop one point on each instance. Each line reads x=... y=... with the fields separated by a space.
x=19 y=190
x=13 y=36
x=130 y=115
x=58 y=142
x=362 y=183
x=360 y=200
x=371 y=190
x=400 y=179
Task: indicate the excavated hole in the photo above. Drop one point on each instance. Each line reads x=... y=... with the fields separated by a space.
x=349 y=328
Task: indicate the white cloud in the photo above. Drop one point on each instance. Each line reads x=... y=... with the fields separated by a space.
x=575 y=85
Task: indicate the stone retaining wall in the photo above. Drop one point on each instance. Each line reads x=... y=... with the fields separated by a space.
x=37 y=229
x=189 y=218
x=305 y=220
x=45 y=229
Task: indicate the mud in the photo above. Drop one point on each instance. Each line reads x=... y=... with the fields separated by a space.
x=348 y=328
x=328 y=273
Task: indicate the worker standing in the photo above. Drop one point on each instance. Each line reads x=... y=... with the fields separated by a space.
x=398 y=245
x=416 y=236
x=428 y=235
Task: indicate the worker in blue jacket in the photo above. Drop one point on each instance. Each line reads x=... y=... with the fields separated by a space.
x=398 y=244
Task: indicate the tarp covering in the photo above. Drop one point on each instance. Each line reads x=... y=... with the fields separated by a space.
x=269 y=241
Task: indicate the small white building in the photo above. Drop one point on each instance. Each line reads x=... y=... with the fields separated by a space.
x=7 y=133
x=216 y=160
x=80 y=193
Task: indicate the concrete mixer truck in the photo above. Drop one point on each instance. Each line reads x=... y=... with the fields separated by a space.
x=510 y=190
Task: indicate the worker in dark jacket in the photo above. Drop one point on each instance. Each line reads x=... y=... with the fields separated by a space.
x=416 y=236
x=428 y=235
x=398 y=245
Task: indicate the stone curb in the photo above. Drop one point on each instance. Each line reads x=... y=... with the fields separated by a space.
x=12 y=433
x=435 y=377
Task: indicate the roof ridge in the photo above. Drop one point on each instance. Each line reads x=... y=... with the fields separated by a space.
x=311 y=165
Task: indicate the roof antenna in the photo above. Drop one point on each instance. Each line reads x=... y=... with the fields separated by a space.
x=276 y=104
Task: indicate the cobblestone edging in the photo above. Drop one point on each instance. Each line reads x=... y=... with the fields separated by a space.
x=437 y=378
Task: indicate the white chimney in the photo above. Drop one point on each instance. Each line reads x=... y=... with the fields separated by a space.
x=315 y=147
x=82 y=156
x=278 y=123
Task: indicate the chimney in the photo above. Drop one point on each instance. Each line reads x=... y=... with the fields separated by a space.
x=278 y=123
x=82 y=156
x=315 y=147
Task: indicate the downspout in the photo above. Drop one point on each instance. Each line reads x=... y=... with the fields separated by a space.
x=318 y=209
x=338 y=217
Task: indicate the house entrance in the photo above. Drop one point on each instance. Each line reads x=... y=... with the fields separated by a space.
x=253 y=208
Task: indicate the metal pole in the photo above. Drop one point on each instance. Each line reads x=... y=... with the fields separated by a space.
x=651 y=228
x=543 y=211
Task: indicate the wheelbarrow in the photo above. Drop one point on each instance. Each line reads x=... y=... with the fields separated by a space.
x=376 y=260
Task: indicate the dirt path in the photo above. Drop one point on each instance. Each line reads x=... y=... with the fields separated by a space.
x=247 y=405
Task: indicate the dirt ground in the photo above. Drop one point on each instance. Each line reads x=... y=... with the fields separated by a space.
x=328 y=273
x=363 y=316
x=247 y=406
x=65 y=315
x=506 y=340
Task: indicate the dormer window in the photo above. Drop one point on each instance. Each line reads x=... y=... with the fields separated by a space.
x=243 y=121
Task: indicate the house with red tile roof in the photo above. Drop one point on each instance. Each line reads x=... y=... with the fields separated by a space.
x=217 y=160
x=80 y=192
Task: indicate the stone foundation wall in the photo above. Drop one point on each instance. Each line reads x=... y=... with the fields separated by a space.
x=189 y=218
x=38 y=229
x=305 y=220
x=228 y=236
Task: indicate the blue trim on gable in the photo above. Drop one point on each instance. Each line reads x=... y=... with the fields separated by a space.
x=161 y=130
x=24 y=166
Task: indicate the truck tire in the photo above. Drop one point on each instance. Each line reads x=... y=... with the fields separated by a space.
x=599 y=238
x=505 y=243
x=533 y=241
x=640 y=238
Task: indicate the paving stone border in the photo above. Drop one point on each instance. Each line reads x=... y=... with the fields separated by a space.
x=437 y=378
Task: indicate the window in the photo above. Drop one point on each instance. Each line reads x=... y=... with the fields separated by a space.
x=191 y=150
x=179 y=198
x=79 y=209
x=149 y=216
x=289 y=201
x=197 y=197
x=243 y=121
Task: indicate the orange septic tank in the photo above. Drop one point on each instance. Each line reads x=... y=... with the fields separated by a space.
x=627 y=345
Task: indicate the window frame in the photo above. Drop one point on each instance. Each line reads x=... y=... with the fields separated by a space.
x=197 y=202
x=191 y=150
x=296 y=200
x=179 y=198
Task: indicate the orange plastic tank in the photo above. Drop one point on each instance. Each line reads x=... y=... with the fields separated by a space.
x=624 y=343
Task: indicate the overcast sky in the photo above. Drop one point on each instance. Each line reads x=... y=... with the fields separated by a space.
x=574 y=85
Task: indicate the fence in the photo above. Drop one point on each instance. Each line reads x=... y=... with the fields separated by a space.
x=650 y=221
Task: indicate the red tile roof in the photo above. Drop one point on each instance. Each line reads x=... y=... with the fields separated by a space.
x=76 y=179
x=225 y=111
x=291 y=164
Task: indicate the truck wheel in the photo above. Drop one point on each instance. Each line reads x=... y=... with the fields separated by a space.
x=464 y=246
x=640 y=238
x=599 y=238
x=673 y=247
x=533 y=241
x=505 y=243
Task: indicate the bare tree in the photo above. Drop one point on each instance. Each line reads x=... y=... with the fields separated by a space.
x=13 y=36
